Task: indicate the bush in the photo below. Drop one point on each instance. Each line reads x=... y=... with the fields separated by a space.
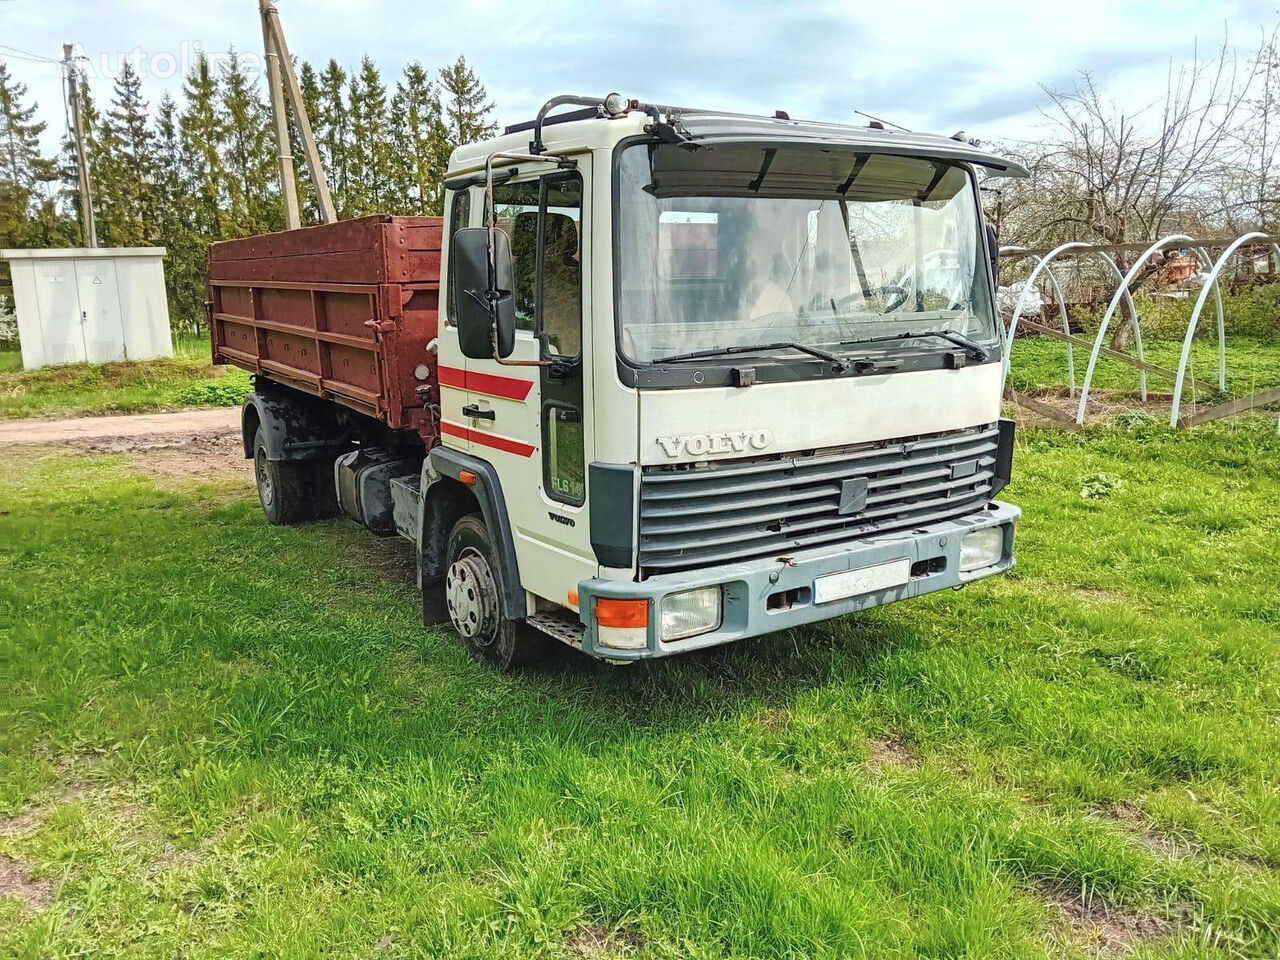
x=1252 y=311
x=212 y=393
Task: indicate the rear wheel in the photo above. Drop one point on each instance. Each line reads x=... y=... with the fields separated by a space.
x=473 y=592
x=284 y=486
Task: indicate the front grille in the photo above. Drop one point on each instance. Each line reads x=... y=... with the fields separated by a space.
x=723 y=511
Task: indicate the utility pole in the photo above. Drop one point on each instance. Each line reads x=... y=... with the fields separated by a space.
x=281 y=76
x=82 y=159
x=288 y=189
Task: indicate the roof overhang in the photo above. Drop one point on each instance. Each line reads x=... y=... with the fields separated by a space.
x=713 y=130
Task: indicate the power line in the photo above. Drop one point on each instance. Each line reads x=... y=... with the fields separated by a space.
x=27 y=54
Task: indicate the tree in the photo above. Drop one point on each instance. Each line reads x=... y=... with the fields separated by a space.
x=23 y=171
x=200 y=134
x=469 y=109
x=253 y=200
x=122 y=167
x=332 y=126
x=184 y=272
x=1262 y=138
x=310 y=86
x=421 y=143
x=370 y=154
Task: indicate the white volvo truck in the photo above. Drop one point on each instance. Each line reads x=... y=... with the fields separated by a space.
x=695 y=377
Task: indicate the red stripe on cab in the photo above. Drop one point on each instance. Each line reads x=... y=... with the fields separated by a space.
x=490 y=384
x=506 y=444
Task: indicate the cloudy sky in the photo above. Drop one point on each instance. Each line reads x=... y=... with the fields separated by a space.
x=924 y=64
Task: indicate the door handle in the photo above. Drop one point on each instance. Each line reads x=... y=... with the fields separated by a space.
x=475 y=413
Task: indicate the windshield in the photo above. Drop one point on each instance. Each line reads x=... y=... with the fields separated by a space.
x=741 y=246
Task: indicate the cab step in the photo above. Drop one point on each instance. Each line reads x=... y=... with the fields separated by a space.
x=563 y=625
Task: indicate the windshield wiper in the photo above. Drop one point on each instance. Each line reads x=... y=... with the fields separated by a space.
x=980 y=353
x=840 y=364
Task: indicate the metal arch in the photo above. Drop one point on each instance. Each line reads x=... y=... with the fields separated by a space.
x=1210 y=281
x=1022 y=298
x=1121 y=291
x=1046 y=263
x=1132 y=309
x=1062 y=314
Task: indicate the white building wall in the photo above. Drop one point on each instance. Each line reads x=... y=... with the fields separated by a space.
x=95 y=305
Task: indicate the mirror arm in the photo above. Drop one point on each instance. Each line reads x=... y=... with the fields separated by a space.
x=515 y=363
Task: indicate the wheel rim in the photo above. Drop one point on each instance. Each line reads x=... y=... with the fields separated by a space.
x=266 y=489
x=471 y=594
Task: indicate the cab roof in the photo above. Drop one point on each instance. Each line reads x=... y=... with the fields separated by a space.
x=584 y=130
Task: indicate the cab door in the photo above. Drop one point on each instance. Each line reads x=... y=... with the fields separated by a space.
x=462 y=211
x=530 y=421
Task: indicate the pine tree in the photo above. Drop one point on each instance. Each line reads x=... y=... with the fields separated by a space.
x=420 y=143
x=370 y=144
x=184 y=271
x=23 y=171
x=124 y=166
x=332 y=124
x=310 y=86
x=254 y=205
x=200 y=132
x=469 y=110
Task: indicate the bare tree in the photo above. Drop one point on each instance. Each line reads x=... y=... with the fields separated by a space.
x=1113 y=175
x=1116 y=174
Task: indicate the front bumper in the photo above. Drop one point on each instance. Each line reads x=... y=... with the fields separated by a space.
x=934 y=552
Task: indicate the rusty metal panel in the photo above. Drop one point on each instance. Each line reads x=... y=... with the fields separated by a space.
x=343 y=311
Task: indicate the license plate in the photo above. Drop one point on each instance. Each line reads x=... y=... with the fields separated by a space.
x=853 y=583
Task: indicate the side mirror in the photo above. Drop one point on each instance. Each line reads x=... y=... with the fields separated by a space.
x=483 y=306
x=993 y=245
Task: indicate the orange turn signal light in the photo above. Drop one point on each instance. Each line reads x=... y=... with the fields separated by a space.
x=467 y=477
x=622 y=613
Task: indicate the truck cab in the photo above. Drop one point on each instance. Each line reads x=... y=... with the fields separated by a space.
x=709 y=376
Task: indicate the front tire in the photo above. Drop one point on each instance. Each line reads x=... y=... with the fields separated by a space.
x=284 y=486
x=473 y=598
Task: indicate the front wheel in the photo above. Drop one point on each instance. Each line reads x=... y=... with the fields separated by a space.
x=473 y=597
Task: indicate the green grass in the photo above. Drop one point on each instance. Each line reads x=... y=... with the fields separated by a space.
x=186 y=380
x=1040 y=363
x=222 y=739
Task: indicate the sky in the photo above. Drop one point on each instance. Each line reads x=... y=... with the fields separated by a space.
x=923 y=64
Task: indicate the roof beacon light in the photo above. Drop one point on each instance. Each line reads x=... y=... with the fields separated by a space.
x=616 y=105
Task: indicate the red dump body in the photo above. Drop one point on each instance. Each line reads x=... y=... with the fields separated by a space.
x=342 y=311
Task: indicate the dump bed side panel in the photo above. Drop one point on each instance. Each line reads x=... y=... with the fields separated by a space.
x=343 y=311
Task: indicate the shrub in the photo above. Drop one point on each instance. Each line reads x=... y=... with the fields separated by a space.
x=212 y=393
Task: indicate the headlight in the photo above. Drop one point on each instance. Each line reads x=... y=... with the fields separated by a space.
x=981 y=548
x=690 y=613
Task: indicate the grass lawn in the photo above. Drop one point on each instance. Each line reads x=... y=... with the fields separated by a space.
x=78 y=389
x=222 y=739
x=1041 y=363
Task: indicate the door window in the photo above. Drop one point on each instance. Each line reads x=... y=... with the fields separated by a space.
x=561 y=289
x=459 y=217
x=565 y=471
x=516 y=209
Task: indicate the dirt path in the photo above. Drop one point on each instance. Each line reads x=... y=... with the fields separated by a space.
x=186 y=424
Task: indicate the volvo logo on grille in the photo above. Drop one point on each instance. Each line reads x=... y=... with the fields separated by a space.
x=703 y=444
x=853 y=495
